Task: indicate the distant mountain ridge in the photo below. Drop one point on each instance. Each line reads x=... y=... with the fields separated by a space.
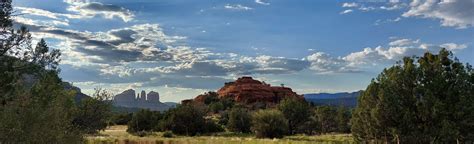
x=347 y=99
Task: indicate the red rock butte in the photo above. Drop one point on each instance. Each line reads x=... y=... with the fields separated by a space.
x=248 y=90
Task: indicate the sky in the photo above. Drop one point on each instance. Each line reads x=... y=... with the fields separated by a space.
x=182 y=48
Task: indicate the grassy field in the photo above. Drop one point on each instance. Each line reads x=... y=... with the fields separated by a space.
x=117 y=134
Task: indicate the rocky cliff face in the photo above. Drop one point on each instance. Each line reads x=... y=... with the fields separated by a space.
x=248 y=90
x=153 y=96
x=150 y=101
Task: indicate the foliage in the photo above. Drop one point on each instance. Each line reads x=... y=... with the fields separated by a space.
x=144 y=121
x=343 y=117
x=34 y=106
x=269 y=123
x=422 y=100
x=211 y=126
x=43 y=114
x=296 y=111
x=167 y=134
x=121 y=118
x=239 y=120
x=216 y=107
x=326 y=118
x=210 y=97
x=93 y=114
x=185 y=120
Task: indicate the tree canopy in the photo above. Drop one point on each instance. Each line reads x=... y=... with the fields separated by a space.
x=419 y=100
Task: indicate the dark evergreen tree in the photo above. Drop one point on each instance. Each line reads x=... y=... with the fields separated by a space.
x=326 y=118
x=422 y=100
x=296 y=111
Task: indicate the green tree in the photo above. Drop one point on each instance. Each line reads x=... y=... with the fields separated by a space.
x=121 y=118
x=94 y=114
x=326 y=118
x=185 y=120
x=144 y=121
x=343 y=119
x=34 y=106
x=269 y=123
x=296 y=111
x=239 y=120
x=42 y=114
x=420 y=100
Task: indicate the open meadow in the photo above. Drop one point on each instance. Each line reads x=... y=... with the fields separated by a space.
x=118 y=134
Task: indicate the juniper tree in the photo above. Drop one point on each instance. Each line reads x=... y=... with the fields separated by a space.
x=419 y=100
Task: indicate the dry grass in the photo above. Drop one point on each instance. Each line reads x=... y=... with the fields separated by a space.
x=118 y=135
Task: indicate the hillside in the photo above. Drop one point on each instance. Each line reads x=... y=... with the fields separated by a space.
x=334 y=99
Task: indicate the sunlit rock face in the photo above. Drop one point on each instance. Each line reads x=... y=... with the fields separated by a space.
x=150 y=101
x=247 y=90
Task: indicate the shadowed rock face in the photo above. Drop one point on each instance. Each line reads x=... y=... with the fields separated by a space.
x=153 y=96
x=150 y=101
x=125 y=96
x=248 y=90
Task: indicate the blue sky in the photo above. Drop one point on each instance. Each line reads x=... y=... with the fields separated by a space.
x=182 y=48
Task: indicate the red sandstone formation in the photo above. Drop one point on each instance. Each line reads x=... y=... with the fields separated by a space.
x=248 y=90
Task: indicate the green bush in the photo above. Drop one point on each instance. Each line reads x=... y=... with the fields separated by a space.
x=216 y=107
x=185 y=120
x=167 y=134
x=93 y=114
x=144 y=121
x=239 y=120
x=269 y=123
x=212 y=127
x=121 y=118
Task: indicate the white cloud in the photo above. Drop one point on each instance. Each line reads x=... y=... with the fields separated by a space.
x=453 y=46
x=378 y=56
x=346 y=11
x=237 y=7
x=324 y=63
x=403 y=42
x=452 y=13
x=92 y=9
x=262 y=2
x=350 y=5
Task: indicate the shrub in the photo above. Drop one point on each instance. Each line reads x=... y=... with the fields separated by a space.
x=239 y=120
x=185 y=120
x=269 y=124
x=93 y=114
x=143 y=120
x=121 y=118
x=215 y=107
x=212 y=127
x=167 y=134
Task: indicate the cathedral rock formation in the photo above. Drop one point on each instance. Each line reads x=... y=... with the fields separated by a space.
x=248 y=90
x=150 y=101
